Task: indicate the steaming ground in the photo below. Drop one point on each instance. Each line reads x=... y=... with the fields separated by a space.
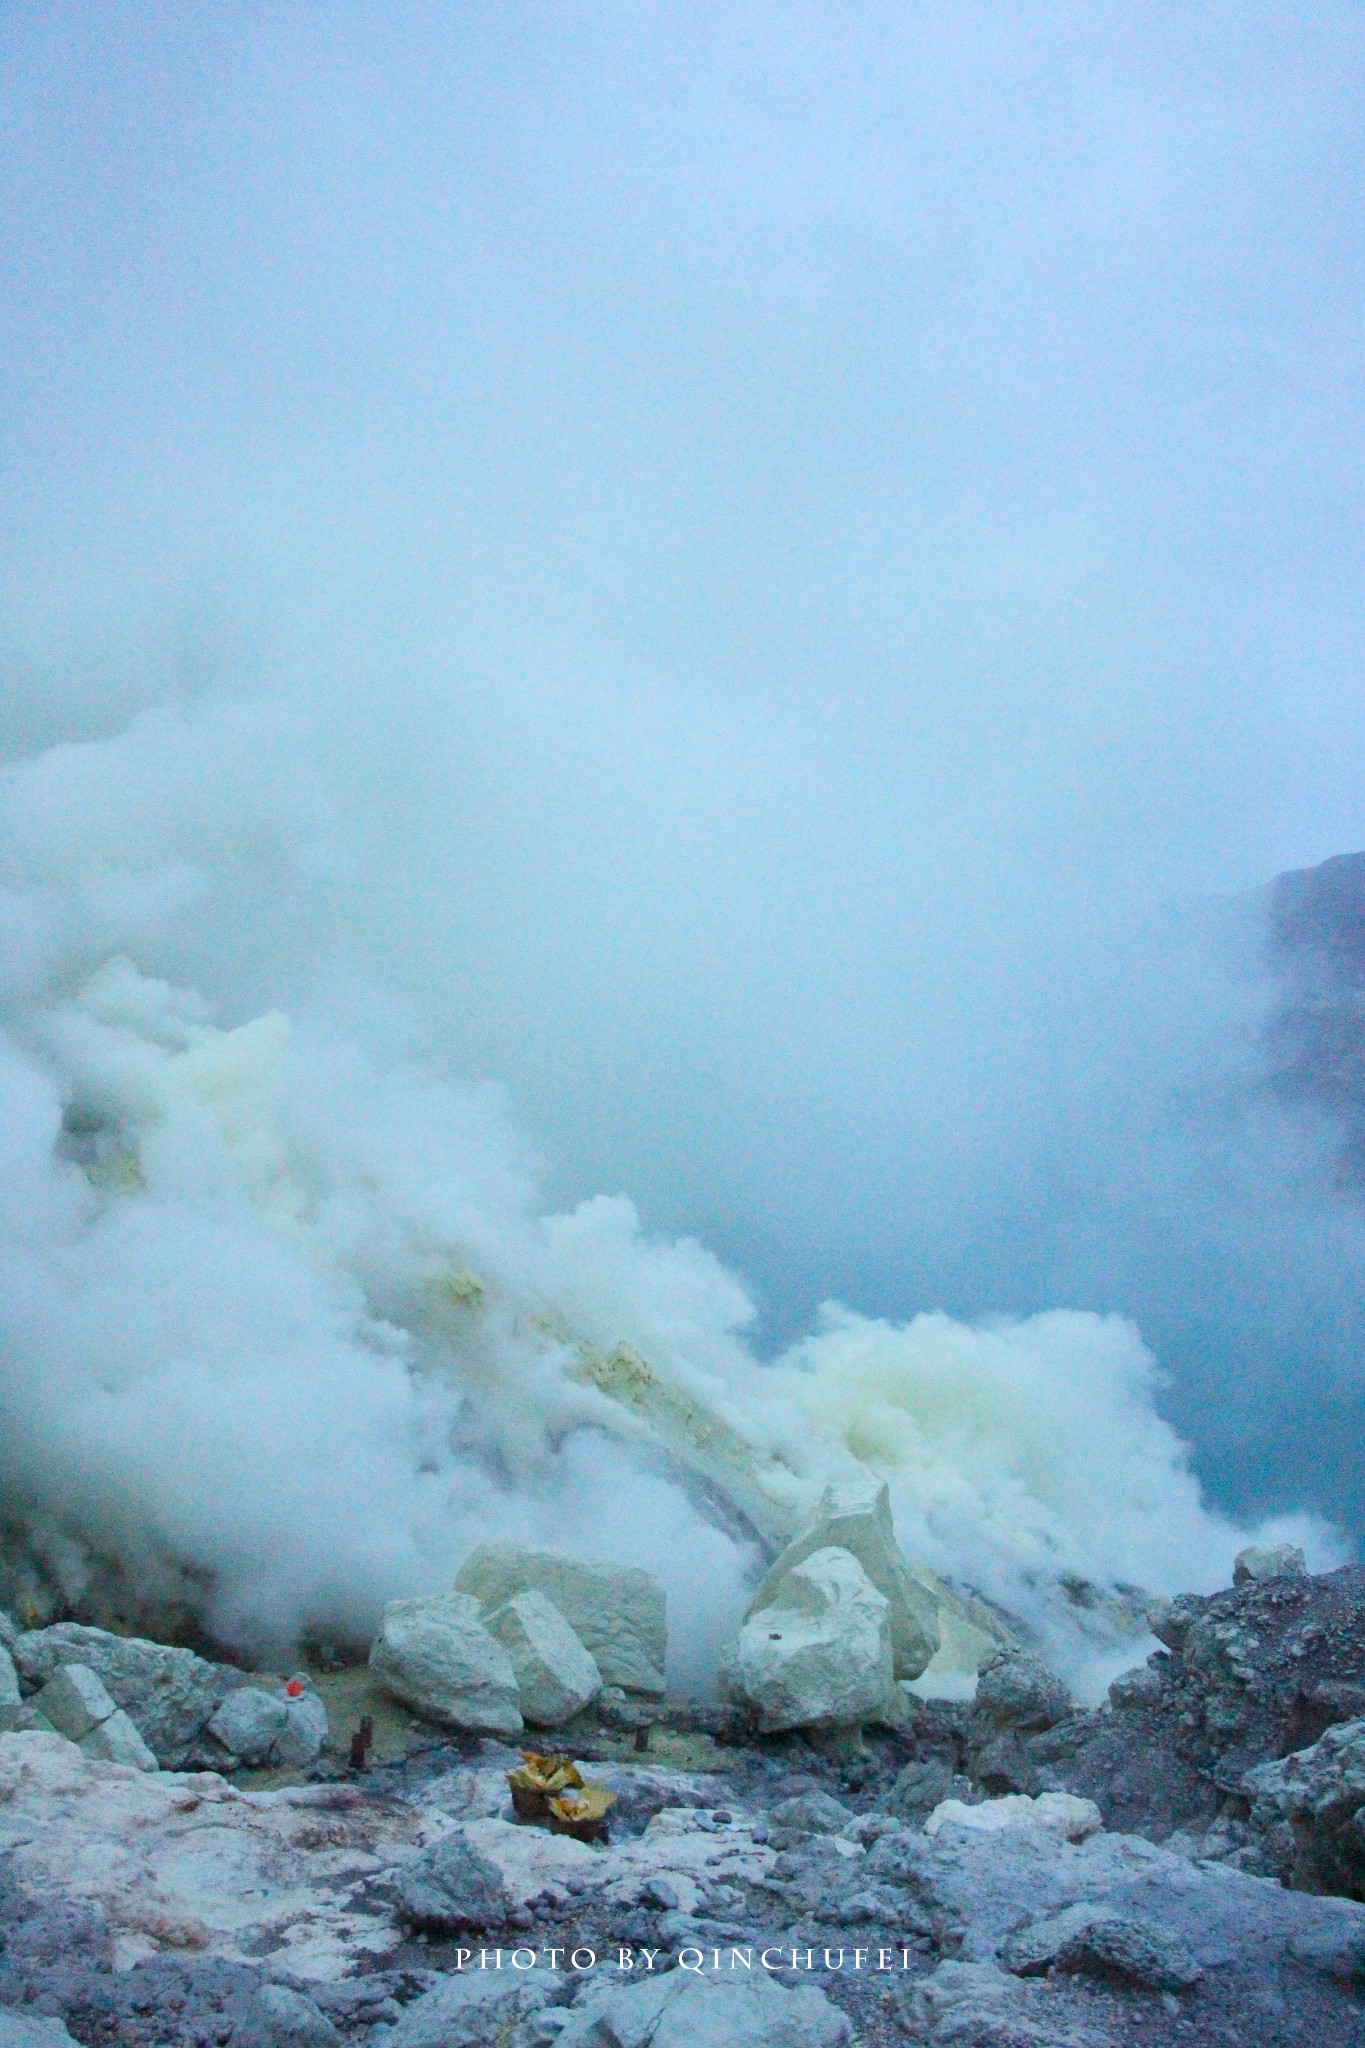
x=286 y=1330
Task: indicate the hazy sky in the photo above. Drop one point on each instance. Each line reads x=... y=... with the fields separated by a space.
x=977 y=384
x=793 y=526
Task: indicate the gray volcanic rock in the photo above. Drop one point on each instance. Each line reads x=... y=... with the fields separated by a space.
x=1247 y=1677
x=1336 y=1950
x=1316 y=1034
x=452 y=1887
x=30 y=2030
x=1307 y=1813
x=974 y=2005
x=1113 y=1909
x=1086 y=1938
x=478 y=2007
x=1016 y=1696
x=813 y=1812
x=1137 y=1945
x=1015 y=1689
x=923 y=1785
x=297 y=2021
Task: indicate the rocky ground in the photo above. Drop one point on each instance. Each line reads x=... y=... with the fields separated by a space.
x=1007 y=1875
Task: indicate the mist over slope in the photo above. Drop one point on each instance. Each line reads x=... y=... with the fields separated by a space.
x=286 y=1327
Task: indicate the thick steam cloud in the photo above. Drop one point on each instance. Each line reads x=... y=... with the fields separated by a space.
x=285 y=1330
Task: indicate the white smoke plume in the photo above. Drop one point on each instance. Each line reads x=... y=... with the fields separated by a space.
x=286 y=1331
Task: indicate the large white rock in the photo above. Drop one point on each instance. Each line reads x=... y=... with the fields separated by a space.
x=819 y=1655
x=77 y=1705
x=75 y=1701
x=555 y=1674
x=249 y=1723
x=169 y=1693
x=116 y=1741
x=616 y=1611
x=1267 y=1561
x=260 y=1727
x=9 y=1680
x=305 y=1731
x=436 y=1656
x=855 y=1515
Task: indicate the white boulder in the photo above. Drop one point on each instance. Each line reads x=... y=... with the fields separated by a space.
x=1268 y=1561
x=9 y=1680
x=855 y=1515
x=249 y=1723
x=436 y=1656
x=616 y=1611
x=820 y=1654
x=75 y=1701
x=305 y=1730
x=77 y=1705
x=116 y=1741
x=555 y=1674
x=259 y=1727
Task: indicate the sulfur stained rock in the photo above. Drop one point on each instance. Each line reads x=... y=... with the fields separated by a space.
x=855 y=1515
x=820 y=1654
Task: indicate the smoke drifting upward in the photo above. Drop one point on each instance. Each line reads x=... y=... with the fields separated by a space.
x=286 y=1331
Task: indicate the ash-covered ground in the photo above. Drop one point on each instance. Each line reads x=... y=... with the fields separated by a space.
x=1006 y=1874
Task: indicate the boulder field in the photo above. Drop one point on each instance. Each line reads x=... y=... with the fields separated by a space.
x=819 y=1859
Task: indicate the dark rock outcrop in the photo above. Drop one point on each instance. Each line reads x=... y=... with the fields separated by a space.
x=1246 y=1676
x=1316 y=1033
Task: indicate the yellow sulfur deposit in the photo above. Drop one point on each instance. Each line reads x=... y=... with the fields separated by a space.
x=544 y=1774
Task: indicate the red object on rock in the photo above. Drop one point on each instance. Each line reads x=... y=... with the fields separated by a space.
x=294 y=1688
